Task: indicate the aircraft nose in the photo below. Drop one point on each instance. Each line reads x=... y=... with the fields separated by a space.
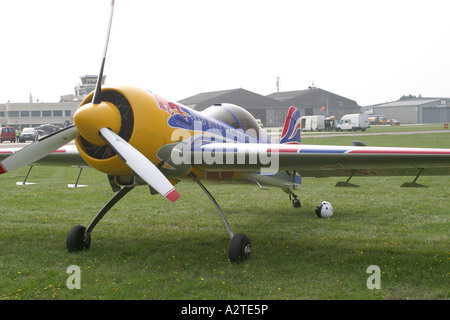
x=90 y=118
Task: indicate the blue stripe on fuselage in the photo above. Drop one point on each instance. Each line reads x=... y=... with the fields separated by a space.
x=304 y=150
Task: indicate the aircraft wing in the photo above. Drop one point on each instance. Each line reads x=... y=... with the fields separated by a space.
x=67 y=155
x=307 y=160
x=322 y=161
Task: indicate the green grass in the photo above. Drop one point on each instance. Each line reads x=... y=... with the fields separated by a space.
x=379 y=129
x=387 y=128
x=147 y=248
x=429 y=140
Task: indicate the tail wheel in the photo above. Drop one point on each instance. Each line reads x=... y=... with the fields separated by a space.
x=240 y=248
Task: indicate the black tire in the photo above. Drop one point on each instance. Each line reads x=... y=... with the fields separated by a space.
x=240 y=248
x=76 y=239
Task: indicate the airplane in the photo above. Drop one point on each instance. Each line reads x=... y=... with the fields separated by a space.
x=138 y=138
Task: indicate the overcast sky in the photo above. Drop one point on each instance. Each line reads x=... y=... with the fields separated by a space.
x=368 y=51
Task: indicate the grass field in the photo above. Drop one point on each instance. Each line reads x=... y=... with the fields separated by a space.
x=147 y=248
x=376 y=129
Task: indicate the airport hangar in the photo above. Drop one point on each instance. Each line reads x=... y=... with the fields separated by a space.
x=414 y=111
x=272 y=109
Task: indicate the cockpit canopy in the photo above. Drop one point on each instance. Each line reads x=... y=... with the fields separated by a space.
x=235 y=116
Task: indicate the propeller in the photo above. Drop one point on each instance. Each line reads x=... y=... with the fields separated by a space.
x=98 y=122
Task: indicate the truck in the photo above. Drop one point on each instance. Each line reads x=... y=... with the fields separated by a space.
x=378 y=120
x=312 y=123
x=354 y=122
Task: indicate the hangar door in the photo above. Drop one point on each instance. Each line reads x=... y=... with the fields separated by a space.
x=436 y=115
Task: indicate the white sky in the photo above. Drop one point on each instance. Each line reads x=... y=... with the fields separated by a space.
x=368 y=51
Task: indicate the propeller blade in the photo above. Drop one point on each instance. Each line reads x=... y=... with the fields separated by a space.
x=98 y=87
x=39 y=149
x=140 y=165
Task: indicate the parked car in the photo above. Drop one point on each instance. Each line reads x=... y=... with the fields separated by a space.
x=8 y=133
x=28 y=134
x=394 y=122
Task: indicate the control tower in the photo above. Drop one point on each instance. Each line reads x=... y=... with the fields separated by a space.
x=88 y=83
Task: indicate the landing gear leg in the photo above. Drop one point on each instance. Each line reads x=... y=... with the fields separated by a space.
x=295 y=202
x=79 y=237
x=240 y=248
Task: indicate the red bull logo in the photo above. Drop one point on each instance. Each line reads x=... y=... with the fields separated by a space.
x=171 y=108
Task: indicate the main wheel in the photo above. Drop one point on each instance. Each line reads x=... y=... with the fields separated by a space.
x=77 y=239
x=296 y=203
x=240 y=248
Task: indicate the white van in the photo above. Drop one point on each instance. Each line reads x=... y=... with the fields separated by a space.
x=312 y=123
x=354 y=122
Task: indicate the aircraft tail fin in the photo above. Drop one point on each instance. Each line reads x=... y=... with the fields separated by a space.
x=291 y=128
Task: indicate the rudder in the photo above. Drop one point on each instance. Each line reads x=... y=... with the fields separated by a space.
x=291 y=128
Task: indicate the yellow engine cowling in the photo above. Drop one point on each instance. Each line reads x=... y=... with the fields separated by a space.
x=143 y=125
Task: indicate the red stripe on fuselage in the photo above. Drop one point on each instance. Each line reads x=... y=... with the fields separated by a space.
x=283 y=150
x=400 y=151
